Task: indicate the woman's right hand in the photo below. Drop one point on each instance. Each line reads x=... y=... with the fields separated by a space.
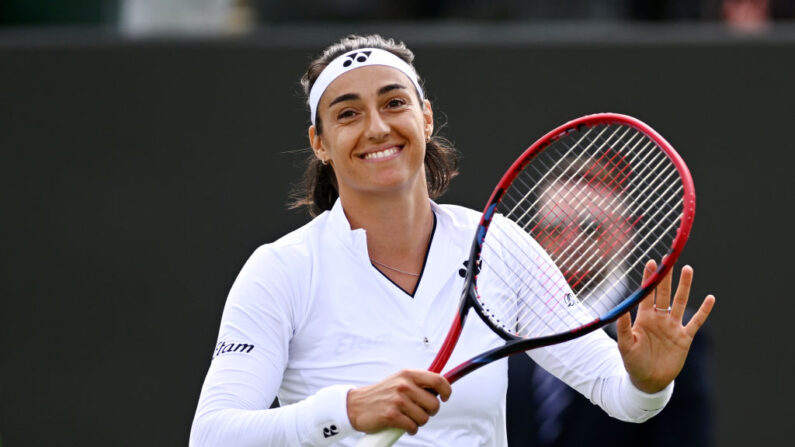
x=404 y=400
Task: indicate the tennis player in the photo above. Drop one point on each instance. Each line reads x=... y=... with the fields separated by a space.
x=340 y=317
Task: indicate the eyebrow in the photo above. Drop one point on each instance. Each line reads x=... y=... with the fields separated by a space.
x=381 y=91
x=345 y=97
x=388 y=88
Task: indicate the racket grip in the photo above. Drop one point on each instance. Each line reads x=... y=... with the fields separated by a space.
x=383 y=438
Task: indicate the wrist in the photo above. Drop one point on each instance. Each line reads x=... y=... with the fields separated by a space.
x=326 y=415
x=648 y=387
x=350 y=398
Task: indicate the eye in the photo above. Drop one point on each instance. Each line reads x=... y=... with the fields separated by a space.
x=346 y=114
x=396 y=103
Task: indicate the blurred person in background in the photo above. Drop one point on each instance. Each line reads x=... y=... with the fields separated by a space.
x=544 y=411
x=746 y=15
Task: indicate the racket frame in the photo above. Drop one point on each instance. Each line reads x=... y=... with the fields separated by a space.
x=469 y=297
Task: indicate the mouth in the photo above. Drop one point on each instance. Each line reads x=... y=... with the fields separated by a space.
x=382 y=153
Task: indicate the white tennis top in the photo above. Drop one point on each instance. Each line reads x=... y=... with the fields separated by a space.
x=309 y=317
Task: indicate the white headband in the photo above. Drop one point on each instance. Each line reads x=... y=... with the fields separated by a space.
x=362 y=57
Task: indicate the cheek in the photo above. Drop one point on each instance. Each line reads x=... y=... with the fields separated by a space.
x=340 y=145
x=412 y=127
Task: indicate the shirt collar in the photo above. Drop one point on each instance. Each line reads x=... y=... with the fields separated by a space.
x=341 y=228
x=357 y=239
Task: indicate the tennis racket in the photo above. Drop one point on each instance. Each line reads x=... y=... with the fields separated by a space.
x=561 y=246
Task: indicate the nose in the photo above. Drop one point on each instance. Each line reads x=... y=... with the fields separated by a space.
x=377 y=128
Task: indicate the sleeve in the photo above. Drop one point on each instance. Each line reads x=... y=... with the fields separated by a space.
x=247 y=368
x=592 y=365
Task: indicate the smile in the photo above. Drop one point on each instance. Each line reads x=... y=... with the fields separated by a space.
x=384 y=153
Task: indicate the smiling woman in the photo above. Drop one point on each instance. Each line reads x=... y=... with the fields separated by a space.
x=375 y=134
x=343 y=314
x=319 y=191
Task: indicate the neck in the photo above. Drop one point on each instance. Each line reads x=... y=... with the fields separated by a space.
x=398 y=226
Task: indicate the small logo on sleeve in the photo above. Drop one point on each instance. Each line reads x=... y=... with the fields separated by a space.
x=330 y=431
x=223 y=348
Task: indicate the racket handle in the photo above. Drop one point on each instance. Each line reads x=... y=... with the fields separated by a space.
x=383 y=438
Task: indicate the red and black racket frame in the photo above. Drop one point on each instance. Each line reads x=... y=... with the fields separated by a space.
x=469 y=297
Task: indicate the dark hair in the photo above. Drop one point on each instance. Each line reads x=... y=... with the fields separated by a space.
x=318 y=191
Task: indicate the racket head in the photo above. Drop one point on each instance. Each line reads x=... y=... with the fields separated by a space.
x=561 y=245
x=529 y=239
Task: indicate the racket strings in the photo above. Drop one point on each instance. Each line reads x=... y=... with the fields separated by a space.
x=547 y=170
x=567 y=158
x=624 y=221
x=612 y=261
x=582 y=212
x=535 y=302
x=632 y=206
x=560 y=221
x=530 y=206
x=662 y=219
x=550 y=294
x=546 y=277
x=589 y=221
x=574 y=248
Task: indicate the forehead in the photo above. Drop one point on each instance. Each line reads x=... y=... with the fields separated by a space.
x=364 y=81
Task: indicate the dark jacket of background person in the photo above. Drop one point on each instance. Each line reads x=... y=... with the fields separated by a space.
x=687 y=420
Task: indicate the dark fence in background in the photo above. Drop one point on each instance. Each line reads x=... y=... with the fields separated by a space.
x=137 y=176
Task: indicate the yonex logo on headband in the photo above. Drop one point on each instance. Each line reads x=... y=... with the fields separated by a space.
x=352 y=60
x=358 y=57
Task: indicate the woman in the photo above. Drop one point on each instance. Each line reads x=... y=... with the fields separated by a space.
x=340 y=317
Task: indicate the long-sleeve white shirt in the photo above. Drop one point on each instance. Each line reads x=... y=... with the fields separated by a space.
x=309 y=317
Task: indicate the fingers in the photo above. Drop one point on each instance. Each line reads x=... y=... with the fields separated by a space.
x=432 y=381
x=682 y=293
x=701 y=315
x=648 y=302
x=662 y=294
x=417 y=399
x=410 y=416
x=405 y=400
x=400 y=420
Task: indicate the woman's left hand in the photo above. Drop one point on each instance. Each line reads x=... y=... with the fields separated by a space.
x=654 y=349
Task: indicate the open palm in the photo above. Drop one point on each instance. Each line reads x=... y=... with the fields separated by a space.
x=655 y=347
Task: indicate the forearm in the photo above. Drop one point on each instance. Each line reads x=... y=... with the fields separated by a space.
x=619 y=398
x=593 y=366
x=319 y=420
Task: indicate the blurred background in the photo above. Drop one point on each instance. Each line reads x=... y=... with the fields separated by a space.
x=147 y=148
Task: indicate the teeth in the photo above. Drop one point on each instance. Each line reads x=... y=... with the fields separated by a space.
x=381 y=154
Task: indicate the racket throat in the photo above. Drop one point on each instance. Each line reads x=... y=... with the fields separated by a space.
x=475 y=363
x=449 y=344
